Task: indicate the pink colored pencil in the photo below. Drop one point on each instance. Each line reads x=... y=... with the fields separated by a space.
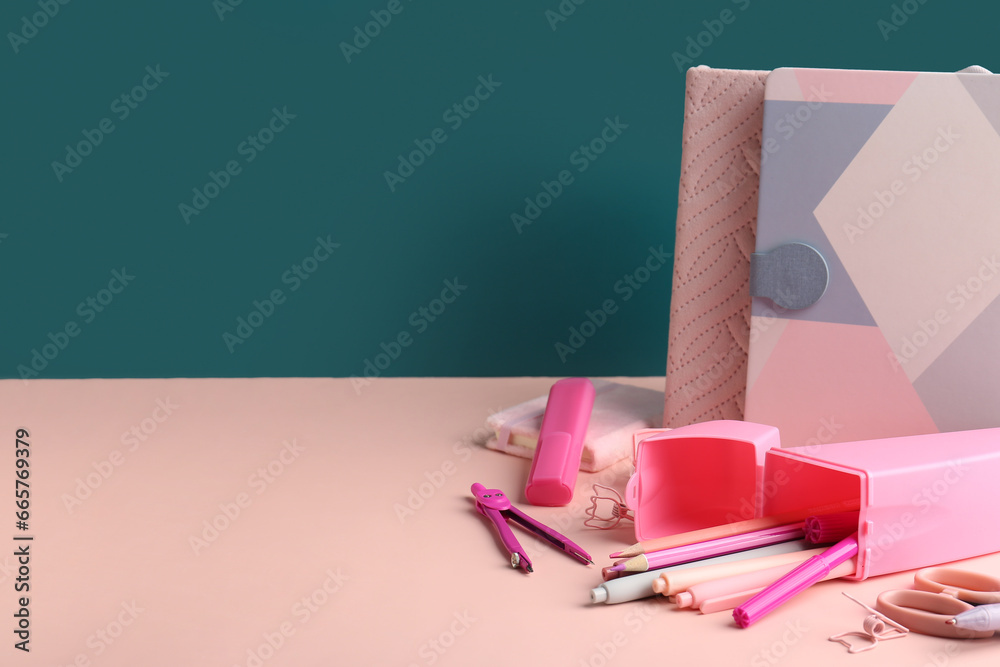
x=727 y=529
x=717 y=547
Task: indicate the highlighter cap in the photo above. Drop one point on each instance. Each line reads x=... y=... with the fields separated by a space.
x=556 y=462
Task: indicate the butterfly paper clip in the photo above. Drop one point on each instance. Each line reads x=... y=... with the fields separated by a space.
x=606 y=512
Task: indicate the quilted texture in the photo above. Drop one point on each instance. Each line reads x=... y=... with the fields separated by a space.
x=716 y=220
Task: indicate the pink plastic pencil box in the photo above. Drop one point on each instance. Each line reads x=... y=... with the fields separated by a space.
x=922 y=500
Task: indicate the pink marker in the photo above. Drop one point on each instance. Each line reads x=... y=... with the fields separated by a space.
x=795 y=582
x=556 y=463
x=730 y=592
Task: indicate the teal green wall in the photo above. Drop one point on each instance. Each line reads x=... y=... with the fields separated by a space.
x=553 y=87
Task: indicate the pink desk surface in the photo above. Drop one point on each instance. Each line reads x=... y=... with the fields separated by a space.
x=344 y=534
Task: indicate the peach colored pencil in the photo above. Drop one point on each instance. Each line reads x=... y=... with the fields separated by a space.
x=730 y=592
x=673 y=582
x=735 y=528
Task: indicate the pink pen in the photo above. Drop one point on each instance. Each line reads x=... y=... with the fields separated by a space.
x=717 y=547
x=556 y=463
x=795 y=582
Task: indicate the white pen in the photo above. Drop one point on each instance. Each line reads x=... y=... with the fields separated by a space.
x=983 y=617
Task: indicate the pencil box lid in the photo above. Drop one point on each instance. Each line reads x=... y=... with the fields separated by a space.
x=698 y=476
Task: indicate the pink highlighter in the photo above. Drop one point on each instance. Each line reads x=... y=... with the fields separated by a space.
x=556 y=463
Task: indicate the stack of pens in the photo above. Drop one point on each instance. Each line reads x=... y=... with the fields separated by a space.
x=751 y=565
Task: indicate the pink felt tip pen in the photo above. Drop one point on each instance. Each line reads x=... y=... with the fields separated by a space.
x=556 y=463
x=795 y=582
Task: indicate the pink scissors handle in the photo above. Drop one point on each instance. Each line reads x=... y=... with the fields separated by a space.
x=942 y=594
x=974 y=587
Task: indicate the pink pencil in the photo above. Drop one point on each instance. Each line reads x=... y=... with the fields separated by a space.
x=727 y=529
x=717 y=547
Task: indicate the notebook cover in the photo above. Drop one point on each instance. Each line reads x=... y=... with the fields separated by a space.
x=716 y=213
x=892 y=177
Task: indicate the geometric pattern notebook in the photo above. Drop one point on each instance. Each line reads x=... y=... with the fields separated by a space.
x=893 y=178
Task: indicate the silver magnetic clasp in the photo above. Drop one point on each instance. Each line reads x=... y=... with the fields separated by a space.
x=793 y=276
